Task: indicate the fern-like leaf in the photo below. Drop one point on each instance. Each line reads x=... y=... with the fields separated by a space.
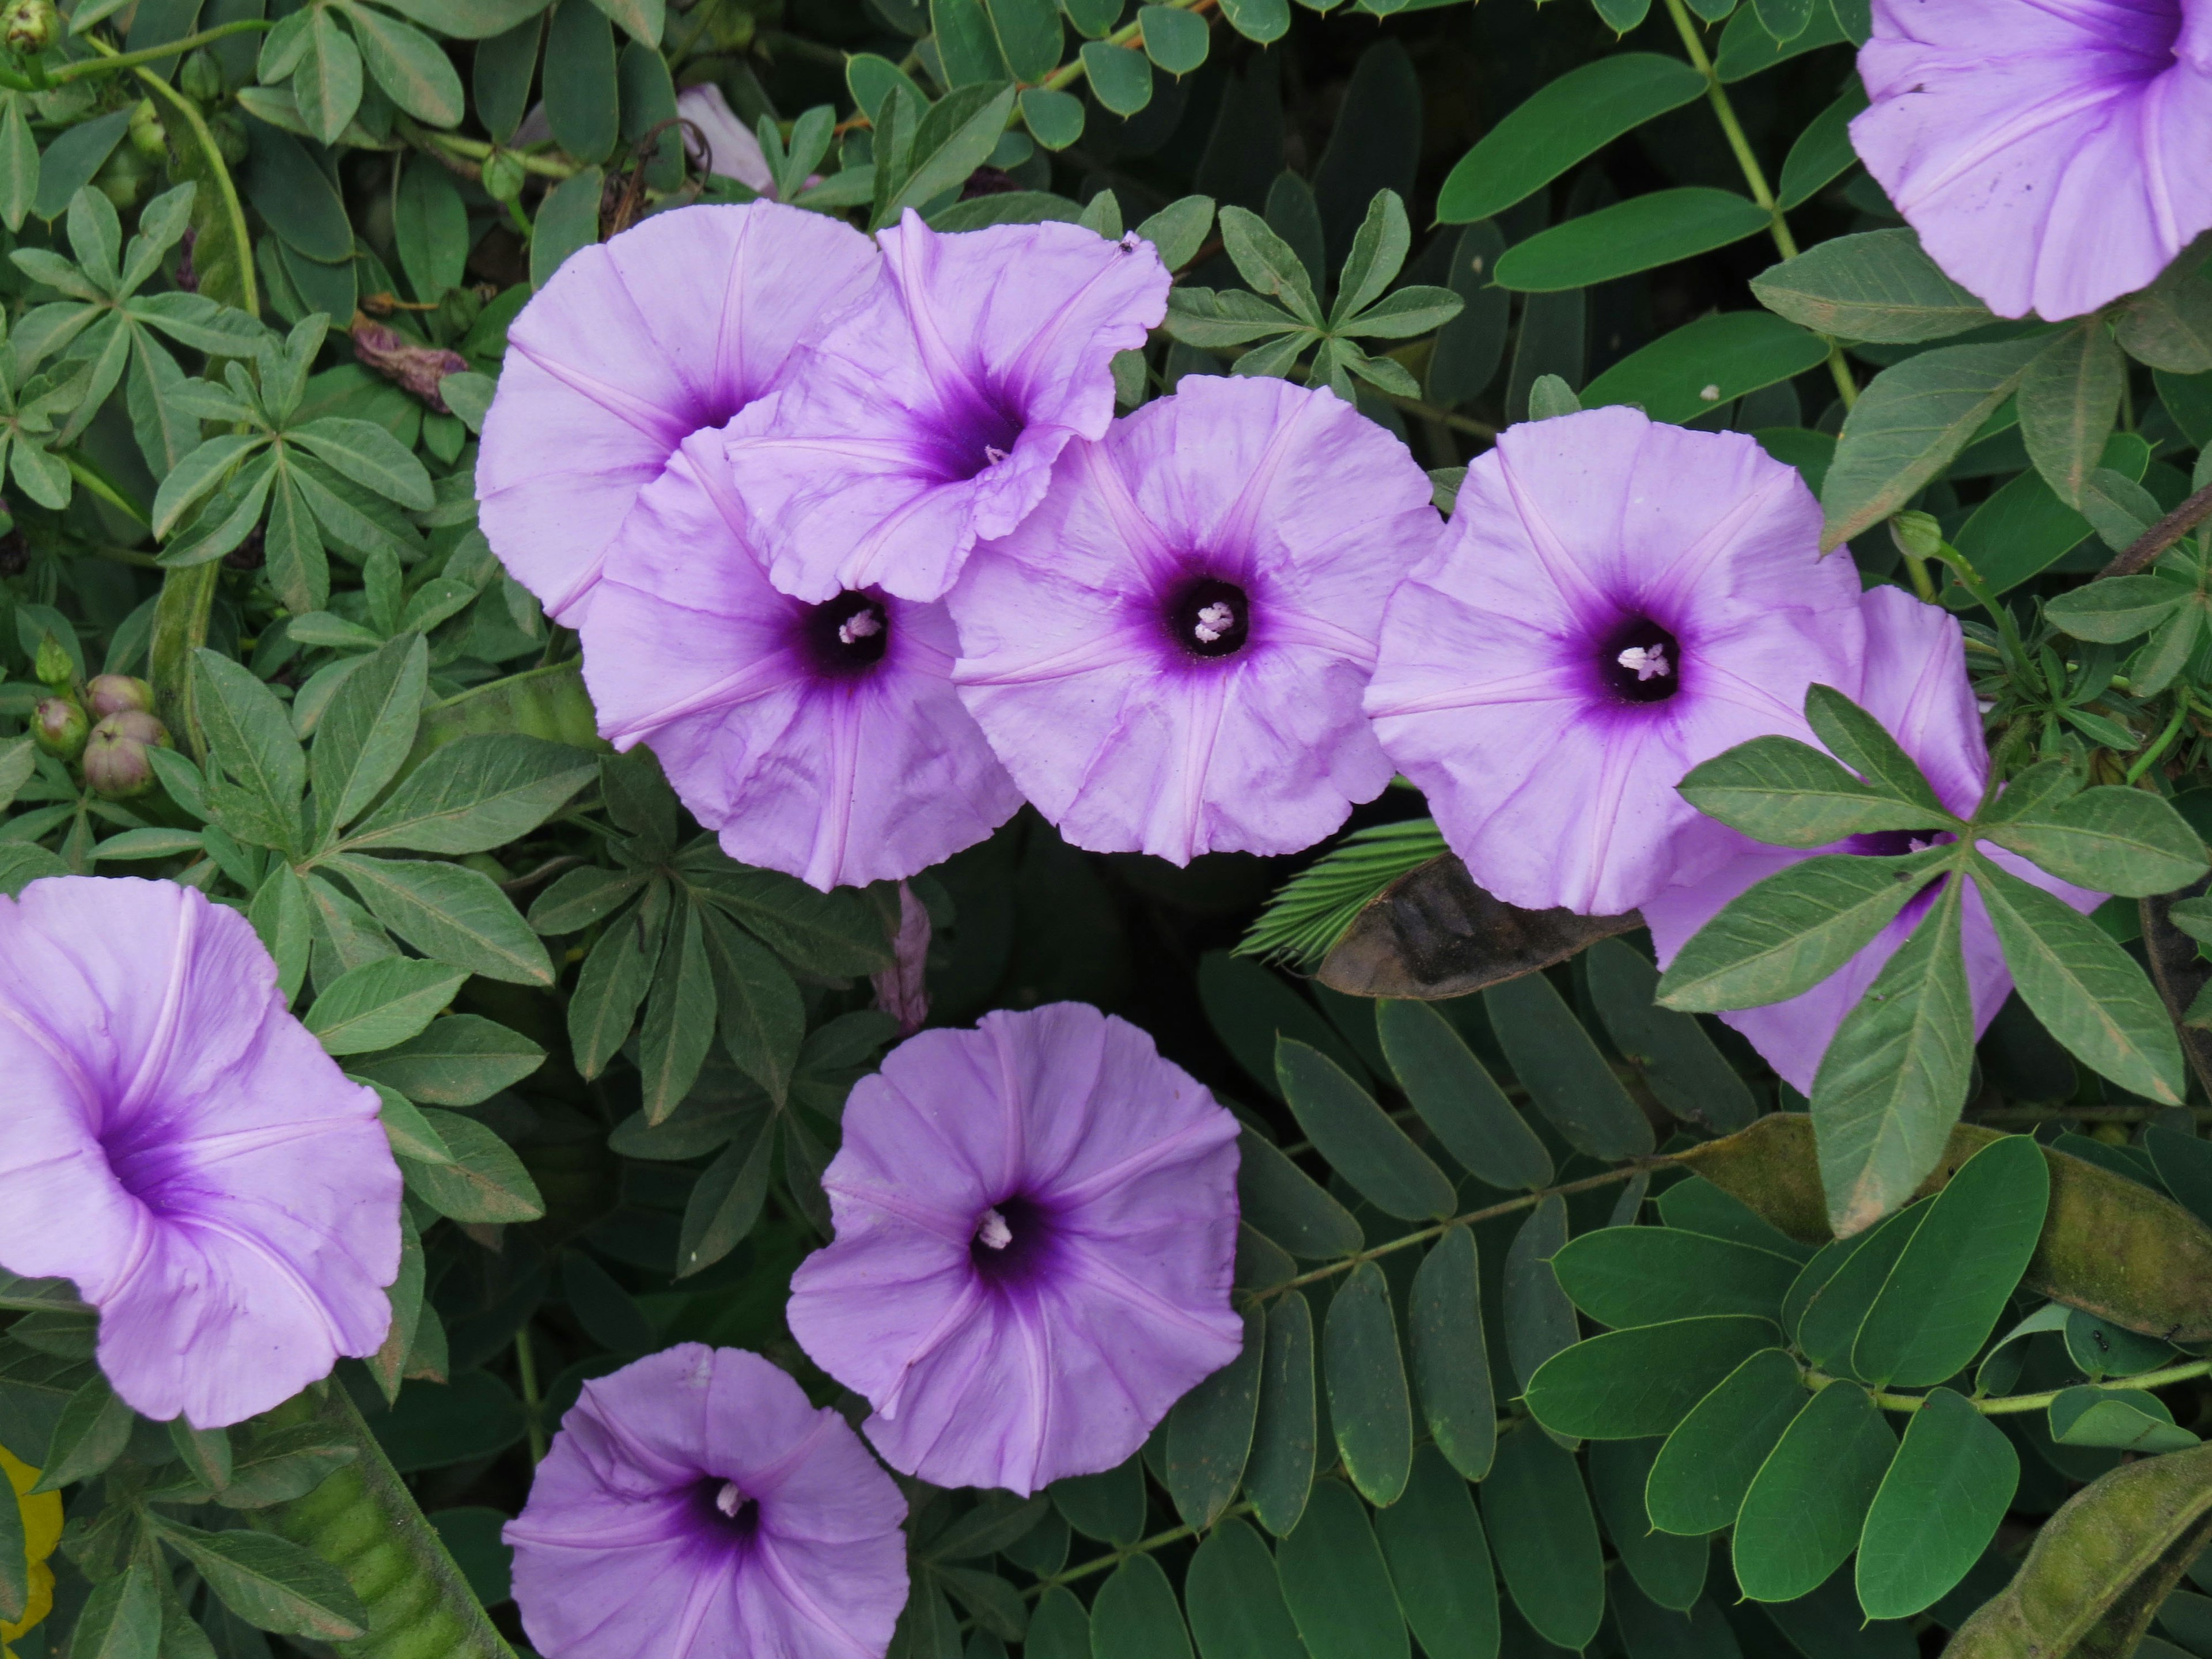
x=1315 y=907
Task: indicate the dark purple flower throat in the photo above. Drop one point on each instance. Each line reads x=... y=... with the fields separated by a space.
x=846 y=636
x=1209 y=618
x=1640 y=661
x=722 y=1511
x=1014 y=1243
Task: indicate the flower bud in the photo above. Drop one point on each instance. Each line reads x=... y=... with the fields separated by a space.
x=147 y=136
x=115 y=763
x=502 y=175
x=201 y=78
x=118 y=694
x=59 y=727
x=1917 y=534
x=417 y=368
x=53 y=664
x=29 y=27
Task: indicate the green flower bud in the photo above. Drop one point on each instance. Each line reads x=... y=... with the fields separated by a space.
x=58 y=727
x=115 y=763
x=52 y=665
x=502 y=175
x=1917 y=534
x=117 y=693
x=201 y=78
x=29 y=27
x=147 y=134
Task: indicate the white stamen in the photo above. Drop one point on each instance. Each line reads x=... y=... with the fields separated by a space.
x=860 y=625
x=1648 y=663
x=1918 y=843
x=1213 y=621
x=993 y=455
x=729 y=1500
x=994 y=1231
x=1711 y=394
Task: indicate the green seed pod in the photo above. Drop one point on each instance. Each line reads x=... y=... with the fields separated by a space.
x=53 y=665
x=30 y=26
x=117 y=693
x=147 y=136
x=502 y=175
x=2110 y=1246
x=59 y=727
x=115 y=763
x=201 y=78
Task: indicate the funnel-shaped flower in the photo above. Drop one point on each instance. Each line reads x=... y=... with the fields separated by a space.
x=822 y=740
x=695 y=1506
x=1037 y=1226
x=930 y=418
x=719 y=141
x=174 y=1143
x=669 y=329
x=2050 y=156
x=1616 y=601
x=1916 y=685
x=1168 y=653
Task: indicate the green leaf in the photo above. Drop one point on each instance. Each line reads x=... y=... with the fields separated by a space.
x=411 y=1135
x=1451 y=1367
x=1705 y=363
x=2168 y=325
x=1878 y=285
x=366 y=732
x=270 y=1582
x=725 y=1202
x=1173 y=39
x=1234 y=1599
x=1210 y=1431
x=1788 y=794
x=2116 y=840
x=1565 y=1075
x=1822 y=151
x=411 y=67
x=447 y=911
x=1120 y=79
x=679 y=1017
x=380 y=1003
x=2086 y=990
x=1283 y=1201
x=475 y=794
x=370 y=456
x=1544 y=1536
x=1628 y=1276
x=1678 y=1061
x=1136 y=1615
x=1669 y=1570
x=569 y=218
x=1792 y=930
x=1956 y=1278
x=462 y=1060
x=1108 y=1506
x=1806 y=1507
x=1368 y=1404
x=1357 y=1137
x=1892 y=1080
x=1457 y=1099
x=1178 y=230
x=1378 y=254
x=121 y=1618
x=1909 y=424
x=1055 y=118
x=2119 y=508
x=248 y=734
x=1937 y=1508
x=1059 y=1628
x=326 y=87
x=1264 y=21
x=611 y=987
x=1860 y=742
x=1278 y=1475
x=430 y=227
x=761 y=1018
x=2127 y=1419
x=1335 y=1582
x=1540 y=1321
x=835 y=935
x=2070 y=397
x=485 y=1182
x=955 y=138
x=89 y=1435
x=1699 y=1480
x=1569 y=119
x=1642 y=1381
x=1439 y=1563
x=1638 y=234
x=1268 y=264
x=2119 y=608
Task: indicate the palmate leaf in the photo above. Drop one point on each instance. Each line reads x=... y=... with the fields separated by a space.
x=1310 y=912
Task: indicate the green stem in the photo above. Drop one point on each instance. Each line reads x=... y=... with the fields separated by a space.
x=2145 y=761
x=233 y=209
x=1528 y=1201
x=77 y=71
x=1754 y=176
x=476 y=150
x=1115 y=1558
x=2005 y=1404
x=526 y=1365
x=1466 y=423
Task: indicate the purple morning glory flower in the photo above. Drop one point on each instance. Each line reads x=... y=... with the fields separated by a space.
x=2050 y=156
x=823 y=740
x=177 y=1145
x=1916 y=685
x=1168 y=653
x=694 y=1504
x=1615 y=601
x=1036 y=1226
x=669 y=329
x=931 y=418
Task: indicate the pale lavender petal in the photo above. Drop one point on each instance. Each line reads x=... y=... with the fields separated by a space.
x=669 y=329
x=185 y=1151
x=836 y=759
x=931 y=418
x=694 y=1505
x=2050 y=156
x=1614 y=602
x=1035 y=1228
x=1278 y=519
x=731 y=148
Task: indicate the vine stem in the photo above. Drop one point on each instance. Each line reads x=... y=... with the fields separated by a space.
x=2004 y=1405
x=2139 y=553
x=1115 y=1558
x=130 y=60
x=1754 y=176
x=526 y=1364
x=233 y=209
x=1528 y=1202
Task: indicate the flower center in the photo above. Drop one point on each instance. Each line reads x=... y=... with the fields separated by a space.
x=848 y=634
x=1896 y=843
x=729 y=1513
x=977 y=429
x=1639 y=661
x=1014 y=1239
x=1209 y=618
